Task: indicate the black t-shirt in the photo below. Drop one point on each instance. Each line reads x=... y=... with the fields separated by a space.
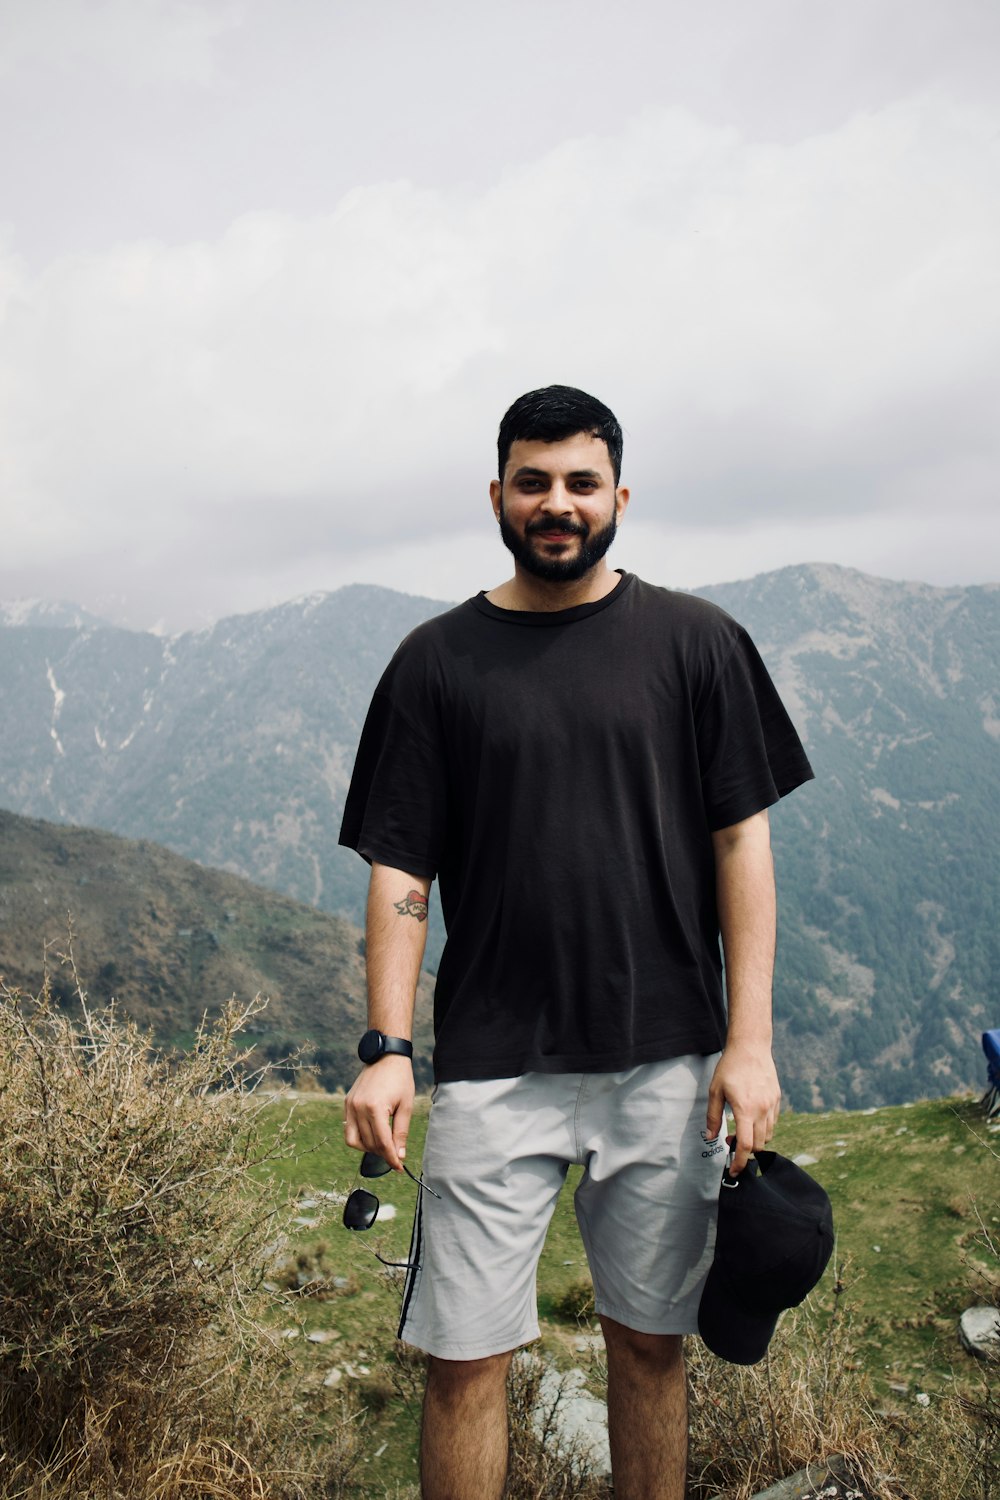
x=561 y=774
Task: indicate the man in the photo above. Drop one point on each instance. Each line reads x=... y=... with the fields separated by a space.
x=584 y=761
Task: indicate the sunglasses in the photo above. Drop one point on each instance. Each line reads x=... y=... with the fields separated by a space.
x=361 y=1208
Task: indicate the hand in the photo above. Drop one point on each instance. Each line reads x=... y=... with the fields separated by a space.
x=746 y=1079
x=379 y=1107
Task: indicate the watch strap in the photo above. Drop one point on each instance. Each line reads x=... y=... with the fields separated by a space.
x=375 y=1044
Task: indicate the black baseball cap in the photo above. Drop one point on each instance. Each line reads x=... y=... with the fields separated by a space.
x=773 y=1242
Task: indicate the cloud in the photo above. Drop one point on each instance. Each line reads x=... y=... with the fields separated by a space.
x=137 y=41
x=789 y=331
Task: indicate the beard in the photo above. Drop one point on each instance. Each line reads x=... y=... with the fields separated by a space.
x=593 y=546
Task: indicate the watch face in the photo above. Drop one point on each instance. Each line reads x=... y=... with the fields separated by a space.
x=370 y=1046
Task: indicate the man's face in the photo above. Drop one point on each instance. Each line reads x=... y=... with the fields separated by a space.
x=558 y=507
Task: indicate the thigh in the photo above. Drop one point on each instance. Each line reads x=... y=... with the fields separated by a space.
x=496 y=1152
x=648 y=1199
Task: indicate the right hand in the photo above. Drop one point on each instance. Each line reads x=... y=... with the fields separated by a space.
x=378 y=1109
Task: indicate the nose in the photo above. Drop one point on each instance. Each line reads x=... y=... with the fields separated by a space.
x=557 y=500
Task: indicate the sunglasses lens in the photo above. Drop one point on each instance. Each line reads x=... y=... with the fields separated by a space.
x=373 y=1166
x=360 y=1210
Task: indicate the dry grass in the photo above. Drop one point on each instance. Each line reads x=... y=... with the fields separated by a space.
x=809 y=1400
x=805 y=1402
x=135 y=1241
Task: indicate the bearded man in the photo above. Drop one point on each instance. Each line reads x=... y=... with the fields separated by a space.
x=584 y=761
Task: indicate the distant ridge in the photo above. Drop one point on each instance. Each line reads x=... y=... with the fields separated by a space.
x=57 y=614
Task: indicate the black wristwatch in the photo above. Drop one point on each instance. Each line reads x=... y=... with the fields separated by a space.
x=375 y=1044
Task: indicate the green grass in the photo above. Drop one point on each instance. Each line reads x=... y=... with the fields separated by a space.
x=906 y=1184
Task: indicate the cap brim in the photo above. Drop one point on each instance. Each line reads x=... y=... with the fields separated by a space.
x=731 y=1331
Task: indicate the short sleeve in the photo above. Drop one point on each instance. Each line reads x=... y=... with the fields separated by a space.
x=396 y=808
x=748 y=750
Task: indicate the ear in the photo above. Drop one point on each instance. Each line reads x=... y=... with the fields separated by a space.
x=621 y=503
x=496 y=492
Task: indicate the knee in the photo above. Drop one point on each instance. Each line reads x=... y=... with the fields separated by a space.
x=660 y=1351
x=454 y=1380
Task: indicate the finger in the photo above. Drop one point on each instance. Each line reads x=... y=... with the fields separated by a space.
x=744 y=1147
x=352 y=1135
x=379 y=1134
x=401 y=1128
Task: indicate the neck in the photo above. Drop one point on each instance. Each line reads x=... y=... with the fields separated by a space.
x=526 y=592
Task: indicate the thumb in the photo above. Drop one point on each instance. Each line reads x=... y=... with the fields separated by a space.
x=713 y=1119
x=401 y=1128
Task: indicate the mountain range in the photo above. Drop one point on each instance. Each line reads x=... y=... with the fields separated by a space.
x=233 y=746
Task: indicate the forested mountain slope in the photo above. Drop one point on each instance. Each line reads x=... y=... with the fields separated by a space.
x=234 y=745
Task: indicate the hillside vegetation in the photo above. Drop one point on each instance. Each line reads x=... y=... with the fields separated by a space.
x=170 y=940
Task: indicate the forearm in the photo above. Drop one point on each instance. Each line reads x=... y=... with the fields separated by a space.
x=745 y=1078
x=746 y=905
x=395 y=938
x=378 y=1108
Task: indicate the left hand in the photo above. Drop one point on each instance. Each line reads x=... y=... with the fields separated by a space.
x=746 y=1079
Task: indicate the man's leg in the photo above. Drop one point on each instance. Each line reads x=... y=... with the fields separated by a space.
x=647 y=1413
x=463 y=1447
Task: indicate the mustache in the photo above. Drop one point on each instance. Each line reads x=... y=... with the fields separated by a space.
x=565 y=528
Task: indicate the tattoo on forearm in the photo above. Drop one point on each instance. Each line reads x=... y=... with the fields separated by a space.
x=414 y=904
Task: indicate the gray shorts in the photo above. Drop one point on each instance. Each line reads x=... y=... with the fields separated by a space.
x=498 y=1152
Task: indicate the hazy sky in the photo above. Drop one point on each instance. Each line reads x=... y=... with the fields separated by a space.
x=270 y=274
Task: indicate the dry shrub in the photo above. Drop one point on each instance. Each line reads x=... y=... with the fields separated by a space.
x=805 y=1402
x=576 y=1305
x=135 y=1242
x=309 y=1273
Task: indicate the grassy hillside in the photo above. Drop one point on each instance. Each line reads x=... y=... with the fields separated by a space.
x=913 y=1188
x=170 y=940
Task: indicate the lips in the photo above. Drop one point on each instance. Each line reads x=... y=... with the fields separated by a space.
x=554 y=533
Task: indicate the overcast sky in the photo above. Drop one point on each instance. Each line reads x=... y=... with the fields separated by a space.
x=270 y=274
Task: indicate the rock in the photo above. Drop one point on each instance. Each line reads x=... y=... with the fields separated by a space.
x=306 y=1223
x=979 y=1330
x=832 y=1480
x=805 y=1160
x=579 y=1418
x=589 y=1343
x=323 y=1336
x=334 y=1377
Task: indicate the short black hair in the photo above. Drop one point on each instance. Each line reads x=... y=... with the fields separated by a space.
x=557 y=412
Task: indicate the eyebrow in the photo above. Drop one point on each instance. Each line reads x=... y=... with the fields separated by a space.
x=527 y=472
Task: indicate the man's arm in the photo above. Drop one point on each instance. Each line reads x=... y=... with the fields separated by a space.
x=746 y=1077
x=378 y=1108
